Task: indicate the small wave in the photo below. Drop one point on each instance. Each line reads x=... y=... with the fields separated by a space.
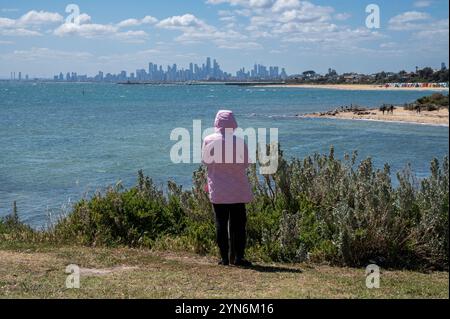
x=284 y=116
x=271 y=116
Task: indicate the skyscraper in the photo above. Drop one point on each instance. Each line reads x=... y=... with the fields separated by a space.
x=208 y=66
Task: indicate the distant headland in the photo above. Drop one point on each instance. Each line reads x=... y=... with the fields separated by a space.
x=430 y=110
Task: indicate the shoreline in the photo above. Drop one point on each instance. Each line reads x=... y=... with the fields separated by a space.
x=354 y=87
x=430 y=118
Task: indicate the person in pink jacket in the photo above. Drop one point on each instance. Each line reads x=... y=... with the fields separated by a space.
x=226 y=158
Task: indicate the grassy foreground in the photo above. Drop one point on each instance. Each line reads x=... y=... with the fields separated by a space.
x=38 y=271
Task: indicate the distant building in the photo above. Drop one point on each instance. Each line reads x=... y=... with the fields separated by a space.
x=210 y=70
x=283 y=74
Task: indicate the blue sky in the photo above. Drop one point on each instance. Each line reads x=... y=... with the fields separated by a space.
x=299 y=35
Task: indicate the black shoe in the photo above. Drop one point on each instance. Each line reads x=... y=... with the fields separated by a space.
x=224 y=263
x=243 y=263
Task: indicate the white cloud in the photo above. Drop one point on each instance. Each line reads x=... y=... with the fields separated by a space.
x=93 y=31
x=422 y=3
x=129 y=23
x=137 y=22
x=183 y=22
x=195 y=30
x=282 y=5
x=84 y=18
x=7 y=23
x=39 y=18
x=428 y=34
x=88 y=30
x=304 y=22
x=434 y=33
x=28 y=24
x=410 y=20
x=149 y=20
x=31 y=23
x=297 y=21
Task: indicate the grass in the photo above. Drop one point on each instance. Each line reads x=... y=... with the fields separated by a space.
x=38 y=271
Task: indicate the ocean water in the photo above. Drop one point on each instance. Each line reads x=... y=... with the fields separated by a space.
x=62 y=141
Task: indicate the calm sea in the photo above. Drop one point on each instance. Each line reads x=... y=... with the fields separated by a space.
x=61 y=141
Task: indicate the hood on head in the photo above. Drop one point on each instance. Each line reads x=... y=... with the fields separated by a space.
x=225 y=119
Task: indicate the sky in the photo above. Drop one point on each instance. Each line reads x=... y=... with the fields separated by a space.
x=39 y=38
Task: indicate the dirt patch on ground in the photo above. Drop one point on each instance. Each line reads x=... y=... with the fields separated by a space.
x=105 y=271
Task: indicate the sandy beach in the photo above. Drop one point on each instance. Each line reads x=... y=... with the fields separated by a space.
x=355 y=87
x=400 y=115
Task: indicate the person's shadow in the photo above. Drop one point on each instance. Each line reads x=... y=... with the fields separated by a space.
x=273 y=269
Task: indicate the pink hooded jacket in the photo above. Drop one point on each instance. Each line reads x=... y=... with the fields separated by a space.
x=226 y=158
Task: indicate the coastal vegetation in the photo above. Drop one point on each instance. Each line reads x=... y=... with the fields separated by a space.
x=317 y=209
x=433 y=102
x=425 y=75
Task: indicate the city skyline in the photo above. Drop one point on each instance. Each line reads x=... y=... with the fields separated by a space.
x=304 y=35
x=210 y=70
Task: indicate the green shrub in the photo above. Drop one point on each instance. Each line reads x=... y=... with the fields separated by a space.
x=320 y=209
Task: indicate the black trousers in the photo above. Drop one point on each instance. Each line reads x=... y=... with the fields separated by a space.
x=235 y=216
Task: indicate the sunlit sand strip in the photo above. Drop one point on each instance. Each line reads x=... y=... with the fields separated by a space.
x=435 y=118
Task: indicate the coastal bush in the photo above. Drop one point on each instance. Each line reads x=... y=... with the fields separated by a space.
x=12 y=229
x=320 y=209
x=433 y=102
x=132 y=217
x=438 y=99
